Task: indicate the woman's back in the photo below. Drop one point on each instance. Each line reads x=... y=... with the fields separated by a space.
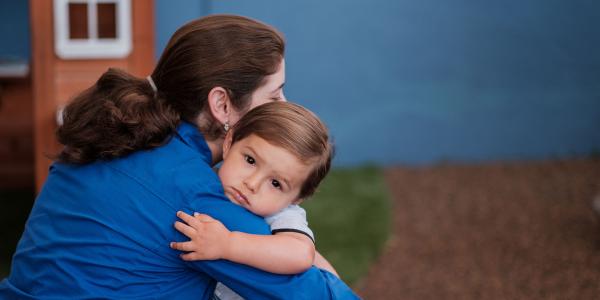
x=103 y=228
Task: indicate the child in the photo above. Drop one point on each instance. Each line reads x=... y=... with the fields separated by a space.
x=273 y=158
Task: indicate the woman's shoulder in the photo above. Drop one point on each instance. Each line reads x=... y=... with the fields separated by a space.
x=170 y=171
x=195 y=177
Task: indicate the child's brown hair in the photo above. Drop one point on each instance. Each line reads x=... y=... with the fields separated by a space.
x=295 y=129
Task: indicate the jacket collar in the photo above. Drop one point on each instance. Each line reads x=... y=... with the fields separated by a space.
x=191 y=136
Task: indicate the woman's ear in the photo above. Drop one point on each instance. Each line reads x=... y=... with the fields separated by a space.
x=220 y=104
x=227 y=143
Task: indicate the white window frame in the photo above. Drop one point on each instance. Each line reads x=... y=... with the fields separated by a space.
x=92 y=47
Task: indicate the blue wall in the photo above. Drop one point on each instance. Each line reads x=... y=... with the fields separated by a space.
x=419 y=81
x=423 y=81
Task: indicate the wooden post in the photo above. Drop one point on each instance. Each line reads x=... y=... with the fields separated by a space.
x=42 y=75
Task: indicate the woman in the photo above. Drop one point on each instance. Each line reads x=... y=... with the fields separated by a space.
x=138 y=150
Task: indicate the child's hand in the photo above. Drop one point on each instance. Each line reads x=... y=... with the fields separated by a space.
x=209 y=239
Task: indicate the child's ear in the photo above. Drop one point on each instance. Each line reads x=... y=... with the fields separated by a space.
x=220 y=104
x=227 y=143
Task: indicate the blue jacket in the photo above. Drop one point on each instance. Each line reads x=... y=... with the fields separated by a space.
x=102 y=230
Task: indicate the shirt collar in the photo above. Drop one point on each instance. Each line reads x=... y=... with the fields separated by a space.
x=191 y=136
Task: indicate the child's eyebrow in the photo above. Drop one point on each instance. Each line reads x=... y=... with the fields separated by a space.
x=287 y=183
x=284 y=179
x=256 y=155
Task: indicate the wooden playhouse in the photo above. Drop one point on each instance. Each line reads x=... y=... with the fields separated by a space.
x=72 y=43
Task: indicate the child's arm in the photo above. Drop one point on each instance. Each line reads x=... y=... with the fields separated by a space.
x=322 y=263
x=282 y=253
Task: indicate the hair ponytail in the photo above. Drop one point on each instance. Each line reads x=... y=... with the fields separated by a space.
x=118 y=115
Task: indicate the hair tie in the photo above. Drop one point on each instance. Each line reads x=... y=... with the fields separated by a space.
x=151 y=82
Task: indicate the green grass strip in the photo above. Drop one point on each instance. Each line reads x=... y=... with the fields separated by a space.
x=351 y=217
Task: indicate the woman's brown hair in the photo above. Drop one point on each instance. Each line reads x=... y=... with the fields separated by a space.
x=121 y=113
x=295 y=129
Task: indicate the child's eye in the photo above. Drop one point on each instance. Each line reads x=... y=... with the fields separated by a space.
x=276 y=184
x=249 y=159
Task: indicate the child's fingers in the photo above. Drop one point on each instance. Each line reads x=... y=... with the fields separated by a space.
x=185 y=229
x=187 y=218
x=203 y=218
x=182 y=246
x=189 y=256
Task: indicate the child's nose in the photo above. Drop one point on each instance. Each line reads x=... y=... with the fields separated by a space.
x=252 y=182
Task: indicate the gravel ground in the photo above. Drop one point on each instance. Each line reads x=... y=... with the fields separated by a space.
x=522 y=230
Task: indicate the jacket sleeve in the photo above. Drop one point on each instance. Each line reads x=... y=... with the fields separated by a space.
x=252 y=283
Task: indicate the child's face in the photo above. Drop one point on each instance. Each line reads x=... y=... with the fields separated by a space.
x=261 y=177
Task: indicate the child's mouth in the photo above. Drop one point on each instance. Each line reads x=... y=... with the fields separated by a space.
x=240 y=197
